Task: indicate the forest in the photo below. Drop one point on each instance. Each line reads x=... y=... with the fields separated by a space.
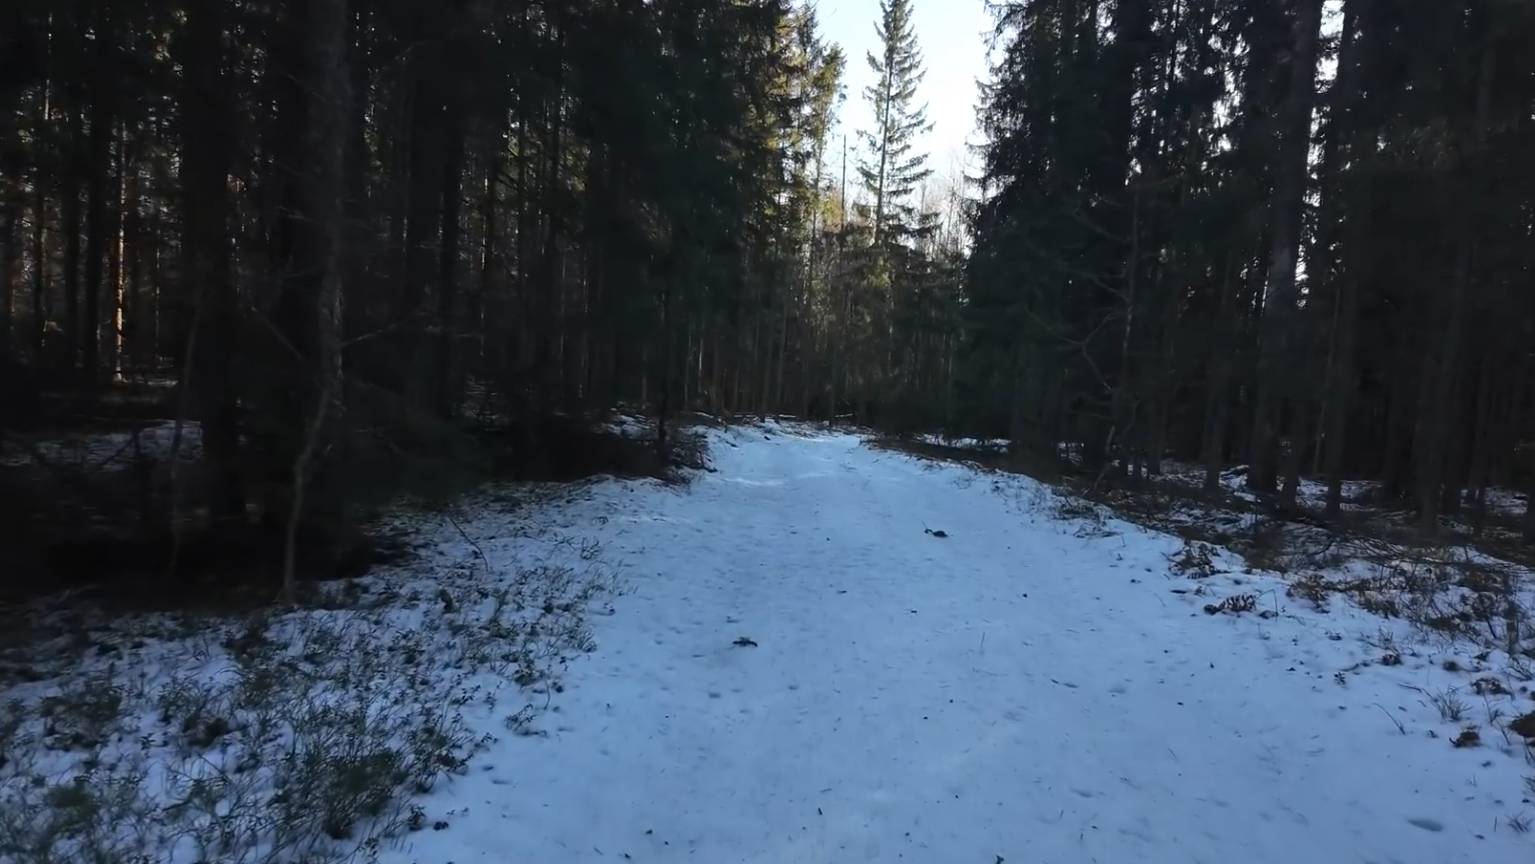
x=607 y=430
x=332 y=236
x=1294 y=235
x=326 y=224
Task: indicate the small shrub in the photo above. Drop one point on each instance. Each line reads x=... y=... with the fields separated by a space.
x=1264 y=545
x=1524 y=726
x=1488 y=686
x=1312 y=587
x=1236 y=604
x=1194 y=561
x=1521 y=668
x=82 y=716
x=1379 y=603
x=1450 y=707
x=1385 y=640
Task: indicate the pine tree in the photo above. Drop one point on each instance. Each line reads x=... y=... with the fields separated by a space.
x=890 y=168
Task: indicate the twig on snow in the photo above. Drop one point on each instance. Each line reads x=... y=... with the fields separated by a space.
x=1392 y=717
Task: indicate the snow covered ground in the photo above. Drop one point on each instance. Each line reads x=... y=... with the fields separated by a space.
x=937 y=440
x=289 y=735
x=817 y=651
x=828 y=652
x=114 y=450
x=1357 y=495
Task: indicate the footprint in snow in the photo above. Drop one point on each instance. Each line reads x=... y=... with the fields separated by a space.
x=1433 y=825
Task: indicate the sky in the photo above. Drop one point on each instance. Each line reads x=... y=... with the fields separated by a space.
x=952 y=36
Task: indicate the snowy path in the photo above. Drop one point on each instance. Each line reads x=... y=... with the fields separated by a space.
x=1014 y=692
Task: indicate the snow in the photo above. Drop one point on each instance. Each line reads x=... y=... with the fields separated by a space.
x=305 y=706
x=1356 y=496
x=1027 y=688
x=1506 y=501
x=630 y=425
x=939 y=440
x=783 y=661
x=114 y=450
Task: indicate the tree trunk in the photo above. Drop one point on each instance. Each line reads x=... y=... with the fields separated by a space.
x=10 y=252
x=1340 y=383
x=447 y=395
x=40 y=262
x=359 y=217
x=12 y=162
x=527 y=325
x=1125 y=408
x=551 y=259
x=664 y=382
x=320 y=201
x=489 y=227
x=136 y=331
x=423 y=236
x=112 y=328
x=1482 y=441
x=1340 y=391
x=1218 y=381
x=71 y=227
x=1276 y=375
x=1434 y=412
x=208 y=283
x=102 y=126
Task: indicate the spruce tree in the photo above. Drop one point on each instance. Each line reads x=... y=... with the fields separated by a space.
x=890 y=168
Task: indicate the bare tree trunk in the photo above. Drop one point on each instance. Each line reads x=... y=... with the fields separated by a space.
x=102 y=127
x=10 y=253
x=71 y=228
x=112 y=330
x=359 y=219
x=12 y=159
x=1434 y=411
x=762 y=362
x=483 y=298
x=1218 y=382
x=1275 y=367
x=446 y=386
x=40 y=263
x=551 y=266
x=207 y=148
x=1482 y=442
x=1340 y=392
x=1124 y=404
x=148 y=305
x=664 y=384
x=783 y=351
x=527 y=330
x=1340 y=385
x=135 y=328
x=321 y=200
x=423 y=234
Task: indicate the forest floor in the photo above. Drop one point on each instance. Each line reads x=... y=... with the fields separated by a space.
x=815 y=650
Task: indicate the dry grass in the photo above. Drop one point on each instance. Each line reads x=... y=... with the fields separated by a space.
x=284 y=735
